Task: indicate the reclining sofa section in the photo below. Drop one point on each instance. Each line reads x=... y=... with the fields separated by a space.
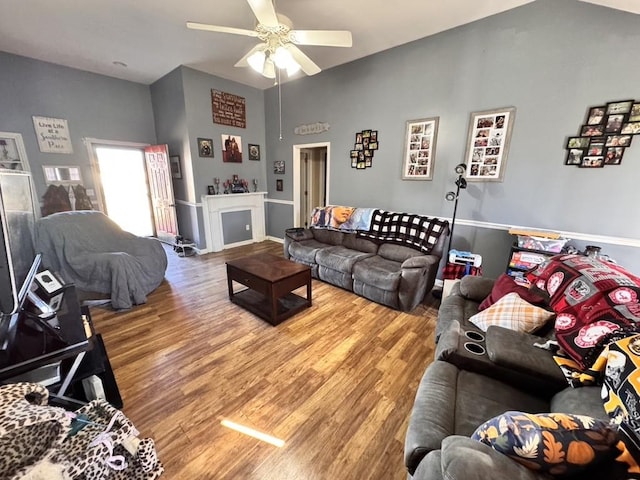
x=375 y=264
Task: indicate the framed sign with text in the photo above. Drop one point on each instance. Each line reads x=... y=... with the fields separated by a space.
x=228 y=109
x=53 y=135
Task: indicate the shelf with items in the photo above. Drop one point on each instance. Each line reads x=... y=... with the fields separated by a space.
x=522 y=260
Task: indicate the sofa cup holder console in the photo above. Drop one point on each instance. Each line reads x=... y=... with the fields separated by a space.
x=473 y=335
x=474 y=348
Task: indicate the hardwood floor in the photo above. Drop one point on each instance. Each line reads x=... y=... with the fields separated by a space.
x=336 y=382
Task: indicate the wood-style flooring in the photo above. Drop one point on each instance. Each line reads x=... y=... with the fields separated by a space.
x=336 y=382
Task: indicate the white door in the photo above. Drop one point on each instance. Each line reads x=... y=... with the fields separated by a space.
x=161 y=189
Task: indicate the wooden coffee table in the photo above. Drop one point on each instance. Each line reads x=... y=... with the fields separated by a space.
x=270 y=281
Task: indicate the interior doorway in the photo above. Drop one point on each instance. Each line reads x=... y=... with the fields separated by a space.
x=311 y=180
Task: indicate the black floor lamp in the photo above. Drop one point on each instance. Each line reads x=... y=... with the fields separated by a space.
x=461 y=183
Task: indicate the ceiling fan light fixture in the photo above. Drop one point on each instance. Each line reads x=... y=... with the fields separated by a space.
x=257 y=60
x=269 y=69
x=293 y=69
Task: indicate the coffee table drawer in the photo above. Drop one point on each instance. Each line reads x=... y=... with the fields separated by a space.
x=248 y=280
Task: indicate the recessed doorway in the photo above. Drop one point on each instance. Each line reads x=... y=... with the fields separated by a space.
x=311 y=180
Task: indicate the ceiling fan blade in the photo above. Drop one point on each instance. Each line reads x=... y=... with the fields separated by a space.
x=217 y=28
x=307 y=65
x=243 y=61
x=328 y=38
x=264 y=12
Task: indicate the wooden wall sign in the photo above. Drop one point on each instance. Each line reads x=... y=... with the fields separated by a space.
x=228 y=109
x=53 y=135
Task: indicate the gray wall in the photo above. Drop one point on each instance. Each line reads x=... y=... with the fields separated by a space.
x=543 y=58
x=94 y=106
x=182 y=105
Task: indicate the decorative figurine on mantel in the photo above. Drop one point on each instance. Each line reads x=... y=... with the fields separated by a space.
x=236 y=185
x=255 y=184
x=216 y=186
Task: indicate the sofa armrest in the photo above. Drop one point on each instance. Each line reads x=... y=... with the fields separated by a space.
x=465 y=459
x=420 y=261
x=299 y=234
x=476 y=288
x=432 y=416
x=516 y=351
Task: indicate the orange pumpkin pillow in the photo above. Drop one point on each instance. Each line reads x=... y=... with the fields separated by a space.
x=556 y=443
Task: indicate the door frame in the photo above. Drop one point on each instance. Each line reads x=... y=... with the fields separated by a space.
x=91 y=143
x=296 y=176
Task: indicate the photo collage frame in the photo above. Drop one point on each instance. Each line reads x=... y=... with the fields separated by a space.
x=608 y=130
x=488 y=142
x=420 y=149
x=365 y=145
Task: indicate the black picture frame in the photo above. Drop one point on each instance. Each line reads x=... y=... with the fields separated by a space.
x=254 y=151
x=621 y=106
x=592 y=130
x=279 y=185
x=205 y=147
x=634 y=114
x=174 y=164
x=630 y=128
x=614 y=122
x=577 y=142
x=210 y=190
x=618 y=140
x=613 y=155
x=278 y=167
x=592 y=162
x=575 y=156
x=595 y=115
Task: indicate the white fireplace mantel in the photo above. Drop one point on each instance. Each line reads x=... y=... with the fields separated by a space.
x=215 y=205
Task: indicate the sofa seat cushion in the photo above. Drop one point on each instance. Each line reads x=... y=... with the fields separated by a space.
x=306 y=250
x=383 y=273
x=580 y=401
x=397 y=253
x=450 y=401
x=340 y=258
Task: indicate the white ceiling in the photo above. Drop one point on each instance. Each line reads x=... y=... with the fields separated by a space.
x=151 y=38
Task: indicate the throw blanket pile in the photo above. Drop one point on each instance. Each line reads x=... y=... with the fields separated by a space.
x=591 y=299
x=345 y=219
x=409 y=230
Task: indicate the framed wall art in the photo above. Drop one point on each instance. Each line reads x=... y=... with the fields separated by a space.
x=174 y=164
x=231 y=148
x=53 y=135
x=279 y=185
x=488 y=142
x=420 y=148
x=363 y=149
x=205 y=147
x=254 y=152
x=278 y=167
x=13 y=156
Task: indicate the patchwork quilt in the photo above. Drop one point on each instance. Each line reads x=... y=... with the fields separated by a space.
x=591 y=298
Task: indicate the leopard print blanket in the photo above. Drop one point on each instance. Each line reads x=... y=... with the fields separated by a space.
x=94 y=443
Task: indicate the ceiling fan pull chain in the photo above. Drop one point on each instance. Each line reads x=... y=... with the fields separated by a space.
x=279 y=101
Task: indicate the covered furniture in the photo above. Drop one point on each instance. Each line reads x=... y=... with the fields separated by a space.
x=393 y=260
x=89 y=249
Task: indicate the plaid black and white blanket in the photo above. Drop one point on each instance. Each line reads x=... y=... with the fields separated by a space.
x=410 y=230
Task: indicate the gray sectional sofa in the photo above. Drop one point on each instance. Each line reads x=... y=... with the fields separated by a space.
x=384 y=272
x=503 y=371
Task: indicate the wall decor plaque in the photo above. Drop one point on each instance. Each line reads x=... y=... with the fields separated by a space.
x=228 y=109
x=53 y=135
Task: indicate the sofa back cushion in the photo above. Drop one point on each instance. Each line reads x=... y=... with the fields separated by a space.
x=350 y=240
x=330 y=237
x=397 y=253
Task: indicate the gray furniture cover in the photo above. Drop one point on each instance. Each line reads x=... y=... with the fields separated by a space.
x=88 y=249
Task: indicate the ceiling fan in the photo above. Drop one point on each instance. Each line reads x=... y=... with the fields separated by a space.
x=278 y=47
